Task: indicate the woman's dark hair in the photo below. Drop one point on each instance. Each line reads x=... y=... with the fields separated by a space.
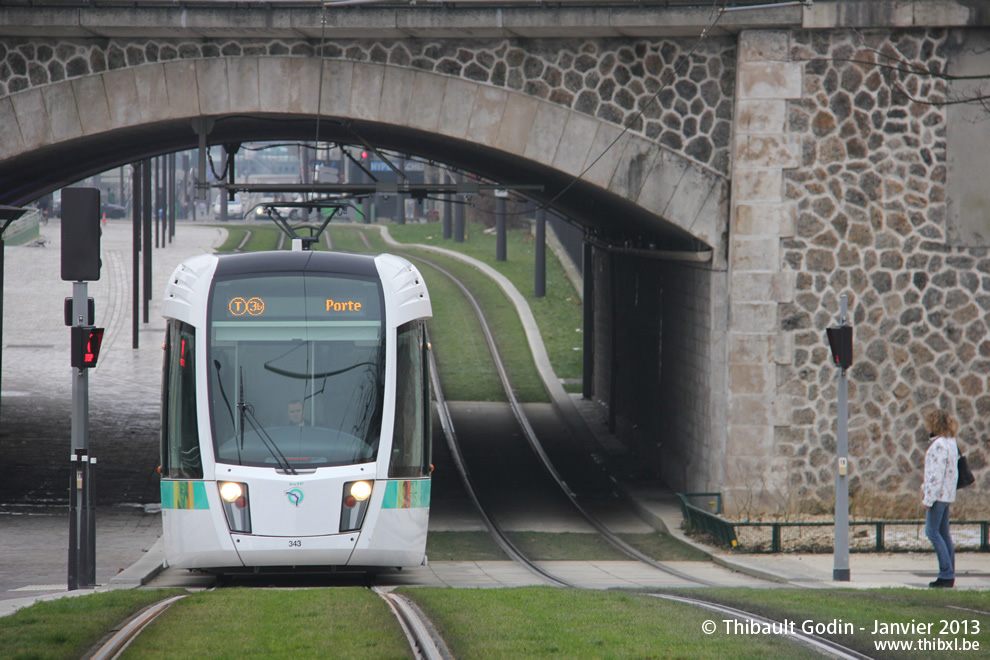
x=940 y=423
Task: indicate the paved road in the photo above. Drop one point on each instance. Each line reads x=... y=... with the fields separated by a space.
x=35 y=417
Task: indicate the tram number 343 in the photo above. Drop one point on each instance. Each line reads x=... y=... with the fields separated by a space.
x=295 y=543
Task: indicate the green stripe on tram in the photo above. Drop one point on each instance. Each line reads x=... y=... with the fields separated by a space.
x=407 y=494
x=184 y=495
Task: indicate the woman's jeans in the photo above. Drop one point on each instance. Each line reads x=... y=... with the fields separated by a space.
x=937 y=531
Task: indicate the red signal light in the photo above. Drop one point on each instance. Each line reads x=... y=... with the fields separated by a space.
x=840 y=340
x=86 y=343
x=364 y=154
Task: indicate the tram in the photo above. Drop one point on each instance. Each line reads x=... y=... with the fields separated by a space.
x=295 y=412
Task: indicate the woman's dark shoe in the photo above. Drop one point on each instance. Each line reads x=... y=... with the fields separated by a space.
x=941 y=583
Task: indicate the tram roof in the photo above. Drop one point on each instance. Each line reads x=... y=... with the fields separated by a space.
x=250 y=263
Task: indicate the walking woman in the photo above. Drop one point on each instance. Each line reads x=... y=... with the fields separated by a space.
x=939 y=490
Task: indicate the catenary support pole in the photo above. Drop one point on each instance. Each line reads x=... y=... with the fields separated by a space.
x=588 y=326
x=172 y=201
x=448 y=219
x=459 y=220
x=136 y=208
x=540 y=261
x=500 y=238
x=146 y=236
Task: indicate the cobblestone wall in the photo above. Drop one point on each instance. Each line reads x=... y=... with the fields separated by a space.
x=871 y=223
x=613 y=80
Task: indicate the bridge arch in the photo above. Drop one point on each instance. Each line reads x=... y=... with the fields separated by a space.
x=637 y=186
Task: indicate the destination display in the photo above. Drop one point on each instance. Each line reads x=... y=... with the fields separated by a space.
x=296 y=298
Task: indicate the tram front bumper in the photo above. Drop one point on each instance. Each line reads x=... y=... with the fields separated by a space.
x=330 y=550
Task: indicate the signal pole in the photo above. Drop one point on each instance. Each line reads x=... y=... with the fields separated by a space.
x=81 y=263
x=840 y=341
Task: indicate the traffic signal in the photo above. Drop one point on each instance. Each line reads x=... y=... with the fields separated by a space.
x=80 y=234
x=840 y=340
x=86 y=342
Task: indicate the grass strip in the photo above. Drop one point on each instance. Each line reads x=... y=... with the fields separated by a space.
x=235 y=235
x=69 y=627
x=264 y=237
x=535 y=622
x=346 y=622
x=557 y=546
x=966 y=612
x=462 y=546
x=558 y=313
x=663 y=547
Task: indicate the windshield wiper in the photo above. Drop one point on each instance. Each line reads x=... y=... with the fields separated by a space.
x=246 y=411
x=314 y=376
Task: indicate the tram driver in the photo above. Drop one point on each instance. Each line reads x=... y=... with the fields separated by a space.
x=296 y=413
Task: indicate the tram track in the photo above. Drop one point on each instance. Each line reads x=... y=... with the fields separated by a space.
x=424 y=641
x=121 y=638
x=534 y=442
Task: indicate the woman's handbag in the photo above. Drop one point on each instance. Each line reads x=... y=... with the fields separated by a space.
x=966 y=477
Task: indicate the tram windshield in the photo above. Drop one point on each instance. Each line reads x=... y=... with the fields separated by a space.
x=297 y=368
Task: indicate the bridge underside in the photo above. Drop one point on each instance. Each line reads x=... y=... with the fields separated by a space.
x=54 y=166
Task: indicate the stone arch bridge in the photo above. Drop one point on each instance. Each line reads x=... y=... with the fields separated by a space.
x=730 y=187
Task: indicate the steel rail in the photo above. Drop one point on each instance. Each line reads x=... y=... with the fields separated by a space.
x=503 y=541
x=814 y=642
x=120 y=640
x=423 y=639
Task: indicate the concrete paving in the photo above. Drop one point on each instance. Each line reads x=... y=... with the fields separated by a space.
x=124 y=391
x=124 y=413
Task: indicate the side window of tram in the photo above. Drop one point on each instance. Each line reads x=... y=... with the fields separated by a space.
x=182 y=459
x=410 y=441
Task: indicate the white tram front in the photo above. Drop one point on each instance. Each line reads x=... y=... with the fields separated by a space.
x=295 y=412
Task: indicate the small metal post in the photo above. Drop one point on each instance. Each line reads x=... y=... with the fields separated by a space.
x=87 y=569
x=840 y=568
x=74 y=485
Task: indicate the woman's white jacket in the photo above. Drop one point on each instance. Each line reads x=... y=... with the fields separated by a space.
x=941 y=471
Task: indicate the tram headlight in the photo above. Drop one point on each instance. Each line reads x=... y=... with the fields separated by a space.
x=356 y=496
x=231 y=491
x=234 y=497
x=361 y=490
